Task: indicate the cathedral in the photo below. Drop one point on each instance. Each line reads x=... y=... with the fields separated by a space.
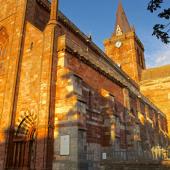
x=67 y=105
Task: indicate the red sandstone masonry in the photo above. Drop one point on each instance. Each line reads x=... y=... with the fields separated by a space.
x=12 y=18
x=51 y=86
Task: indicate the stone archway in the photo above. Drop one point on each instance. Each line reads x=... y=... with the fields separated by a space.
x=24 y=143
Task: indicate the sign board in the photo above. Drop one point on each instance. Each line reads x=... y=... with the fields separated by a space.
x=104 y=156
x=64 y=145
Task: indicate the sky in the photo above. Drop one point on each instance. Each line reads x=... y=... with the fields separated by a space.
x=97 y=18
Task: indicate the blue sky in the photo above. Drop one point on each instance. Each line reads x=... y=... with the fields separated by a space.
x=97 y=17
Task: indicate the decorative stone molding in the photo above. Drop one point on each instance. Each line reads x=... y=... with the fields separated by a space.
x=25 y=123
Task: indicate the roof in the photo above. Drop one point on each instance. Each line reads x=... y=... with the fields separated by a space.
x=122 y=22
x=156 y=73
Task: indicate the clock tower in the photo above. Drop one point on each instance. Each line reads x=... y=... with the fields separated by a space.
x=125 y=48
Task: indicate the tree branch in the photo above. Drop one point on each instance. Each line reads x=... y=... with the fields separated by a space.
x=165 y=14
x=160 y=30
x=154 y=5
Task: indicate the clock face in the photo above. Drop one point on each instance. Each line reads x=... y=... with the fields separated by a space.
x=118 y=44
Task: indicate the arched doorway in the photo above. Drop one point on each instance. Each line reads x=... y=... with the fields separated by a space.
x=23 y=145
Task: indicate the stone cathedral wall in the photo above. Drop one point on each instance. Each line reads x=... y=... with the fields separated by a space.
x=78 y=93
x=156 y=86
x=30 y=72
x=11 y=30
x=101 y=107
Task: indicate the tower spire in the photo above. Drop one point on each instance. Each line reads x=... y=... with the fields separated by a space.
x=122 y=25
x=54 y=12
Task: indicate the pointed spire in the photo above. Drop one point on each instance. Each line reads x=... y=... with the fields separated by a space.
x=122 y=25
x=54 y=12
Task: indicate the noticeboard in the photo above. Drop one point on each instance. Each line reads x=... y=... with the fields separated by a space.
x=64 y=145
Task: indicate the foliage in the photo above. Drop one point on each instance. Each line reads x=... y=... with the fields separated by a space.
x=161 y=31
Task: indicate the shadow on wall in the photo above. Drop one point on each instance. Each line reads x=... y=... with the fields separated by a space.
x=23 y=153
x=105 y=121
x=123 y=134
x=29 y=144
x=141 y=165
